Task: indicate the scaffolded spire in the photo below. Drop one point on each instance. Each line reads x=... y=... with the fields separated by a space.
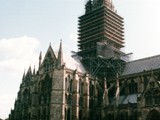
x=60 y=56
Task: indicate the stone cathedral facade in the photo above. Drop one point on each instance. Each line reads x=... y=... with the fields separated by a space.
x=98 y=83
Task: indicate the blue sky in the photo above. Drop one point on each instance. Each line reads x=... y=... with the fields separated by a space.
x=29 y=26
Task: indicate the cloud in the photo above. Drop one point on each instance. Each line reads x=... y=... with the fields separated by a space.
x=14 y=51
x=74 y=37
x=16 y=54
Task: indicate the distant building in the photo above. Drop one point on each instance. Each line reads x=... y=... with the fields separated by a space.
x=98 y=83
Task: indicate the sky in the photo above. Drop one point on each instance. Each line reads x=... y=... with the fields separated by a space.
x=29 y=26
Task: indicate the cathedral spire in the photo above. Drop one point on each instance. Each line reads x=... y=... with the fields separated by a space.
x=60 y=56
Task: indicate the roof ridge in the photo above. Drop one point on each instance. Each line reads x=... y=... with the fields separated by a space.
x=144 y=58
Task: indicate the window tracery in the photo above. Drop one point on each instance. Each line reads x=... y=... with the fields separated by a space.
x=148 y=98
x=152 y=97
x=156 y=96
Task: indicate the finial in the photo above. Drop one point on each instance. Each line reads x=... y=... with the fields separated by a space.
x=40 y=55
x=30 y=69
x=34 y=71
x=40 y=58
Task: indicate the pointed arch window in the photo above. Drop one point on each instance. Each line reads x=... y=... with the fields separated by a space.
x=91 y=89
x=80 y=101
x=148 y=98
x=69 y=100
x=80 y=115
x=156 y=96
x=66 y=84
x=152 y=84
x=81 y=87
x=69 y=114
x=48 y=65
x=71 y=86
x=133 y=87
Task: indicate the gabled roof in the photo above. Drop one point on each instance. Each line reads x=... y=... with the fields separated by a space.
x=50 y=54
x=146 y=64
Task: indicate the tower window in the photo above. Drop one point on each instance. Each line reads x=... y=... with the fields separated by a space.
x=152 y=84
x=148 y=98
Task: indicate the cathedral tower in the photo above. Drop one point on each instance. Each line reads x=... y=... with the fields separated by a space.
x=99 y=26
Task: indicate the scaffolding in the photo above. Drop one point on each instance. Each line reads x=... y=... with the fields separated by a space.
x=108 y=63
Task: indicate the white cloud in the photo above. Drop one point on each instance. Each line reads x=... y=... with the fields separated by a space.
x=74 y=36
x=16 y=54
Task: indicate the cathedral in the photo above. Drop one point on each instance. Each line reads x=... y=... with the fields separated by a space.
x=99 y=82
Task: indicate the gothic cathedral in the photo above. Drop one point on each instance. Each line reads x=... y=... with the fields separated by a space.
x=101 y=83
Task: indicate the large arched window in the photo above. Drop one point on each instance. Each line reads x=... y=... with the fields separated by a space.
x=148 y=98
x=80 y=101
x=66 y=84
x=81 y=87
x=80 y=115
x=156 y=96
x=46 y=65
x=69 y=114
x=71 y=86
x=133 y=87
x=91 y=86
x=69 y=99
x=91 y=103
x=66 y=99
